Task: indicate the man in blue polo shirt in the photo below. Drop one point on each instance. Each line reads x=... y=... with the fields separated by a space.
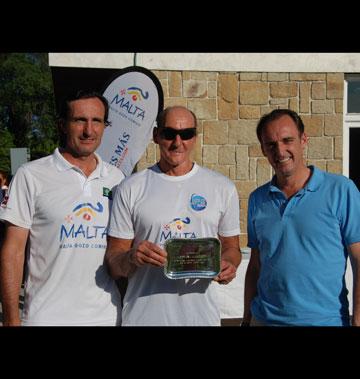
x=302 y=225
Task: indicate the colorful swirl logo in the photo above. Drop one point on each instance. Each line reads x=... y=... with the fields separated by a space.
x=177 y=224
x=87 y=210
x=137 y=93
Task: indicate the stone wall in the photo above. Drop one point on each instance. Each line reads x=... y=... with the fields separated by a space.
x=228 y=106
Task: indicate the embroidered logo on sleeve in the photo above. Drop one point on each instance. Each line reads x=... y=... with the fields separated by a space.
x=107 y=193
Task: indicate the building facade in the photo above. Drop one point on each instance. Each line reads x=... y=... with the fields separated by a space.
x=230 y=92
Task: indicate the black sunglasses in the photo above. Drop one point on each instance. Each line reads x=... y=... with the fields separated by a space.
x=170 y=133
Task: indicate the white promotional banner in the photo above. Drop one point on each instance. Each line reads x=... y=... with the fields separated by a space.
x=135 y=97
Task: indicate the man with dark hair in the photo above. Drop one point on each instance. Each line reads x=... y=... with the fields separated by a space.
x=302 y=225
x=175 y=198
x=62 y=204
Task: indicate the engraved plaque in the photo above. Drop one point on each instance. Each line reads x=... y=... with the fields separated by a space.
x=192 y=258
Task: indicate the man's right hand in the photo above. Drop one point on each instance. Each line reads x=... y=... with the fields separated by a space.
x=148 y=252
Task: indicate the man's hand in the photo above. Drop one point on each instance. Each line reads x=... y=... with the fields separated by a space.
x=227 y=273
x=148 y=253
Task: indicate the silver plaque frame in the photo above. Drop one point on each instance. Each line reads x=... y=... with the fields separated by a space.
x=192 y=258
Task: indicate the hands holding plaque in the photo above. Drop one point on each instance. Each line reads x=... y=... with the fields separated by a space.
x=192 y=258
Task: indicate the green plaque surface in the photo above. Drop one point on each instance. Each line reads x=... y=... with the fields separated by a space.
x=192 y=258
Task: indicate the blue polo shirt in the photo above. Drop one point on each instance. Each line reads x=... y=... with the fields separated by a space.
x=302 y=243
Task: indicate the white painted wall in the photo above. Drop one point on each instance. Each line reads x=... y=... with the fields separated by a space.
x=245 y=62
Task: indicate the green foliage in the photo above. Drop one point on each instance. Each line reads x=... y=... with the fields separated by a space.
x=27 y=105
x=6 y=143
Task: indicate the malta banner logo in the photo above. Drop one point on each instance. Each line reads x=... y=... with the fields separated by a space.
x=135 y=98
x=137 y=93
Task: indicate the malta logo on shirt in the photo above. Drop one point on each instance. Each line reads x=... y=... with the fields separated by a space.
x=87 y=210
x=177 y=228
x=81 y=225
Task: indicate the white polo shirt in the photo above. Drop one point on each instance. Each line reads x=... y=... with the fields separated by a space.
x=67 y=214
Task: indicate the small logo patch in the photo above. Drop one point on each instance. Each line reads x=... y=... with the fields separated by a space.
x=107 y=193
x=197 y=202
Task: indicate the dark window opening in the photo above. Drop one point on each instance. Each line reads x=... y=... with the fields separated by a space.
x=354 y=156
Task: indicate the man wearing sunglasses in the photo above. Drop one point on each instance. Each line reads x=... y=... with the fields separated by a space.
x=176 y=198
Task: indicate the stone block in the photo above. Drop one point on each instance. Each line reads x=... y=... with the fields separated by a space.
x=282 y=103
x=241 y=154
x=254 y=93
x=334 y=166
x=318 y=91
x=203 y=75
x=212 y=89
x=255 y=151
x=172 y=101
x=151 y=153
x=160 y=74
x=307 y=76
x=264 y=109
x=215 y=132
x=322 y=106
x=321 y=164
x=243 y=132
x=338 y=147
x=244 y=188
x=243 y=240
x=339 y=106
x=196 y=154
x=228 y=95
x=186 y=75
x=284 y=89
x=294 y=104
x=195 y=88
x=333 y=125
x=242 y=171
x=175 y=84
x=243 y=214
x=227 y=155
x=242 y=163
x=304 y=101
x=263 y=171
x=335 y=86
x=165 y=87
x=141 y=165
x=204 y=109
x=232 y=172
x=314 y=125
x=222 y=169
x=320 y=148
x=249 y=112
x=278 y=77
x=249 y=76
x=252 y=169
x=210 y=154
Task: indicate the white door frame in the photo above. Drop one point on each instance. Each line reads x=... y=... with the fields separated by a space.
x=351 y=120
